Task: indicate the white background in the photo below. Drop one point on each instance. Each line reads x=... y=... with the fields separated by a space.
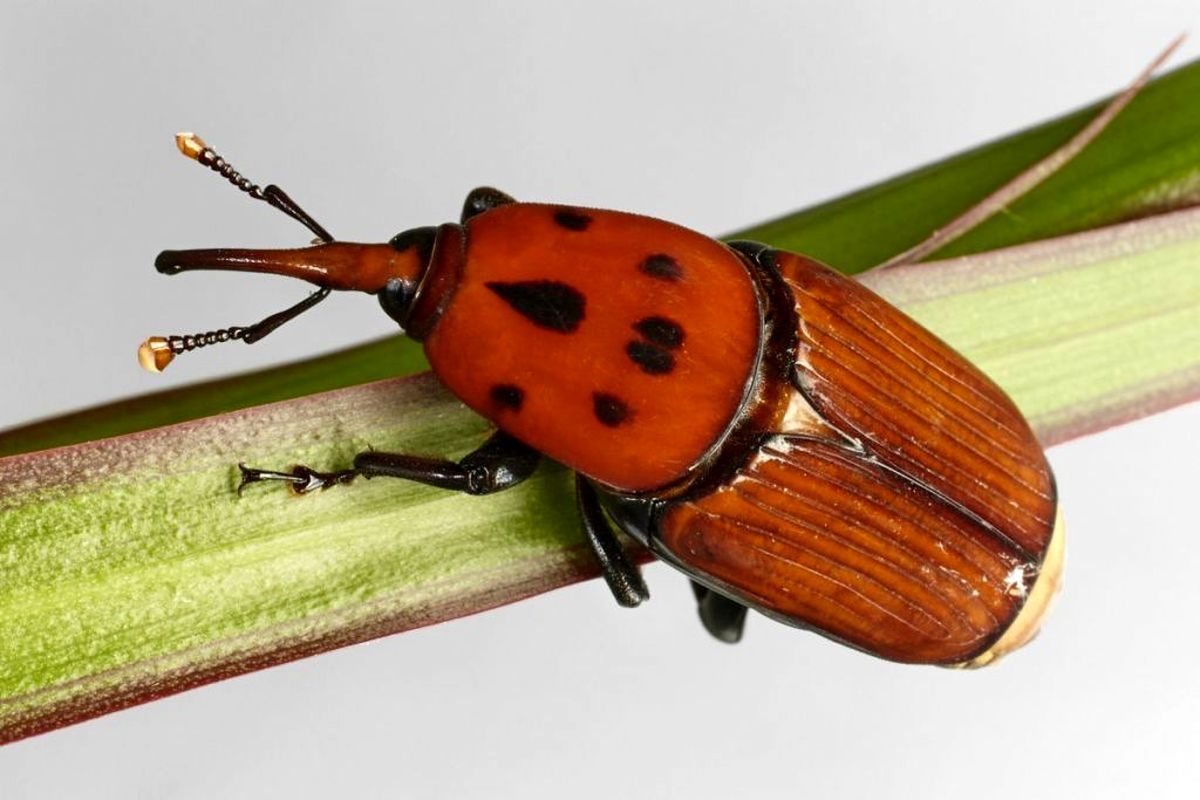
x=380 y=118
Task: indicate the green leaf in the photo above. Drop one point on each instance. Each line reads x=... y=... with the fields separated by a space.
x=1083 y=332
x=1147 y=161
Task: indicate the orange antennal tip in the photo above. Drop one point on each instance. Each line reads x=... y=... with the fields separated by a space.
x=190 y=144
x=155 y=354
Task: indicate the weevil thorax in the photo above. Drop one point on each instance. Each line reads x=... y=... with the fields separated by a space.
x=622 y=346
x=393 y=271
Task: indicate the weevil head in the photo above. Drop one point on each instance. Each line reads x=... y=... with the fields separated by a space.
x=391 y=271
x=347 y=266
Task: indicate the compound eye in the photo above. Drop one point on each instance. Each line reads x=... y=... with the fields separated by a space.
x=396 y=297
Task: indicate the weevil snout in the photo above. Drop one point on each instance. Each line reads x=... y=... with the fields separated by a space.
x=330 y=265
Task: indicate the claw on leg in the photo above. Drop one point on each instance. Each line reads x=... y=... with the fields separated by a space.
x=300 y=480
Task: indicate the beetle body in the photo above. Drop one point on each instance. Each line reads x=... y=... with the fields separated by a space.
x=906 y=509
x=788 y=439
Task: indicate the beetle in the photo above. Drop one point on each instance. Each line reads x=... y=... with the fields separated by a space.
x=785 y=437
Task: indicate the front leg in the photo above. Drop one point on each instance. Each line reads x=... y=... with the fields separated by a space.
x=501 y=462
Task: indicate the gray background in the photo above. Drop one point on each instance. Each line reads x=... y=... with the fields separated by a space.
x=379 y=118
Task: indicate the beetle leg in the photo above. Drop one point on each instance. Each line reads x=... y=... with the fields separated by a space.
x=485 y=198
x=501 y=462
x=722 y=617
x=623 y=577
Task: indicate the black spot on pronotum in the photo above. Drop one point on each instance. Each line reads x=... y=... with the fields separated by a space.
x=547 y=304
x=572 y=220
x=662 y=266
x=651 y=358
x=610 y=409
x=508 y=396
x=661 y=331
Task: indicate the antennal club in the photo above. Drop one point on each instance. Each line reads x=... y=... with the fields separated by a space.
x=157 y=352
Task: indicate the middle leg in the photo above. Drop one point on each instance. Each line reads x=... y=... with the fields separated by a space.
x=623 y=577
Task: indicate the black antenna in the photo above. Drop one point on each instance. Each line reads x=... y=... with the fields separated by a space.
x=157 y=352
x=194 y=148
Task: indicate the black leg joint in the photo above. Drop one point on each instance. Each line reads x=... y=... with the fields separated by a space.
x=500 y=463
